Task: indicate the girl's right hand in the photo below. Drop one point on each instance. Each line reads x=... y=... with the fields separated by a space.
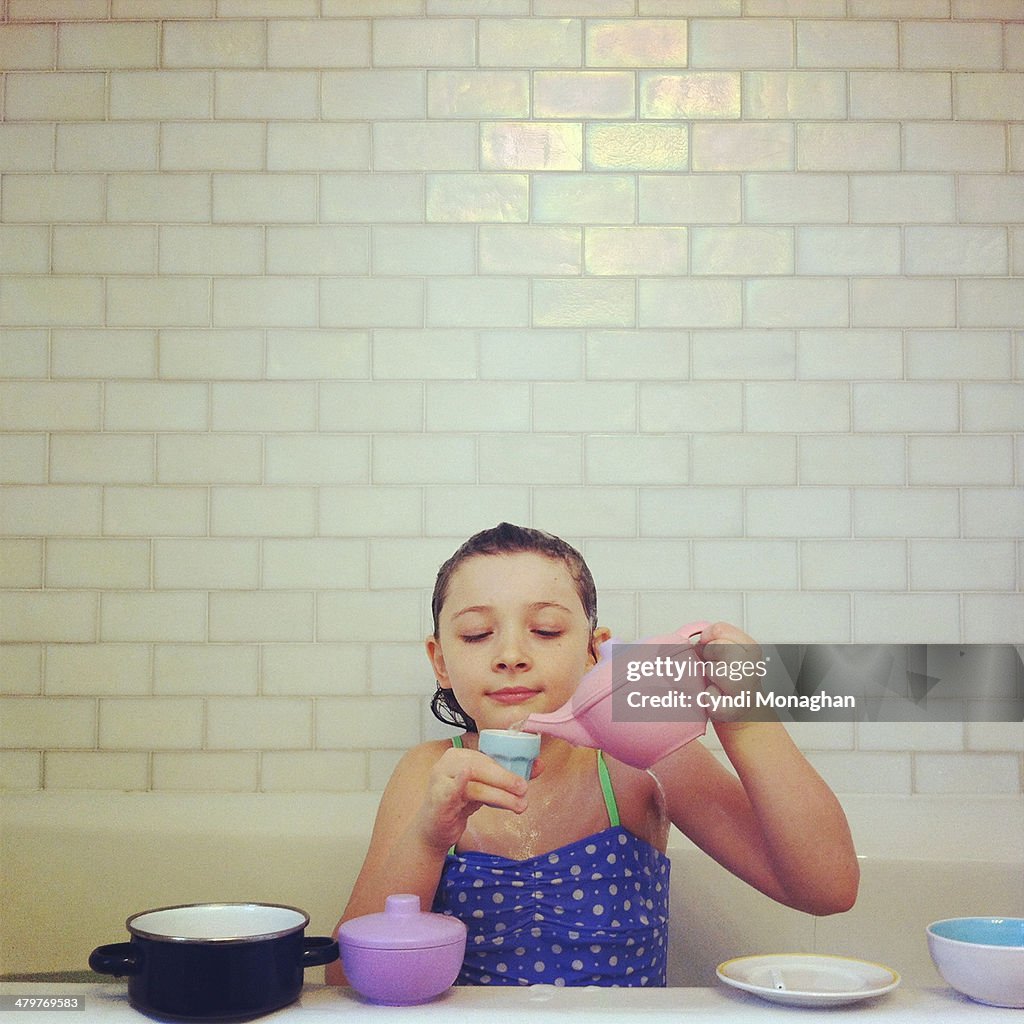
x=460 y=782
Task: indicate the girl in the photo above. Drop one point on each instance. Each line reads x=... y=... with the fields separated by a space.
x=564 y=879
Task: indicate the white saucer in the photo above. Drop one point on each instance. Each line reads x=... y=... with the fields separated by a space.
x=807 y=979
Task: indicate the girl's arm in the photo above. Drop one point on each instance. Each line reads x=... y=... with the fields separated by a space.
x=422 y=813
x=775 y=823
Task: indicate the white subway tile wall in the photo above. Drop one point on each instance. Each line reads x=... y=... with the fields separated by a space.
x=297 y=294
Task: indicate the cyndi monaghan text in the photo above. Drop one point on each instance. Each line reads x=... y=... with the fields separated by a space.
x=711 y=700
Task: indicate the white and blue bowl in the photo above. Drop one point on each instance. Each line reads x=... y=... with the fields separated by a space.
x=982 y=957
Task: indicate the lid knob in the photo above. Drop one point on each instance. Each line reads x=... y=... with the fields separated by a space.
x=402 y=904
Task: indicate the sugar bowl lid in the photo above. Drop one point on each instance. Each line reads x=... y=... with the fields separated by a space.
x=402 y=926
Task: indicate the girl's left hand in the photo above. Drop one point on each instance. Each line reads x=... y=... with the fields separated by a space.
x=737 y=657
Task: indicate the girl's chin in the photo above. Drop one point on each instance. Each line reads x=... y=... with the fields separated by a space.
x=508 y=717
x=513 y=721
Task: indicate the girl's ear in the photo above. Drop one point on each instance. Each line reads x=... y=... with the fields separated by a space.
x=599 y=636
x=436 y=658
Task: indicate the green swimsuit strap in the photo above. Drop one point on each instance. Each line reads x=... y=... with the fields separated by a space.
x=607 y=791
x=457 y=744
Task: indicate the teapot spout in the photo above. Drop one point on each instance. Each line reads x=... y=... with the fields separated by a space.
x=563 y=725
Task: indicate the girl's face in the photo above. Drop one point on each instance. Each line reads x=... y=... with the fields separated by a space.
x=513 y=638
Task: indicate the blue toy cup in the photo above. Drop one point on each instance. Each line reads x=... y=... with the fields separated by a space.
x=515 y=751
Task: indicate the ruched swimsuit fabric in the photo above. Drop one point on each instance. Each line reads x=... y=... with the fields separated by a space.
x=592 y=912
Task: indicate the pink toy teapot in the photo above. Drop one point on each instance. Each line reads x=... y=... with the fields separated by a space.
x=588 y=718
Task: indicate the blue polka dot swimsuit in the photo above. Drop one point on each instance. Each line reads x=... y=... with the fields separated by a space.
x=592 y=912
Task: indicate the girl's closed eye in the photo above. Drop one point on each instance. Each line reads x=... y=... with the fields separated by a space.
x=473 y=638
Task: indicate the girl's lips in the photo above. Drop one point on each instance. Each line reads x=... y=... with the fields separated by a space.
x=512 y=695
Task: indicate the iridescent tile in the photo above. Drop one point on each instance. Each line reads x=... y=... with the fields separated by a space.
x=817 y=95
x=625 y=251
x=478 y=94
x=583 y=94
x=753 y=146
x=637 y=147
x=531 y=146
x=531 y=42
x=478 y=198
x=689 y=302
x=585 y=8
x=742 y=250
x=690 y=94
x=642 y=42
x=529 y=249
x=584 y=198
x=739 y=43
x=583 y=302
x=469 y=8
x=424 y=145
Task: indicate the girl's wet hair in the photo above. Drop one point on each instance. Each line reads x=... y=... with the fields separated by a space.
x=505 y=539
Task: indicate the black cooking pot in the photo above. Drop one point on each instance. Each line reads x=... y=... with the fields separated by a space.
x=214 y=961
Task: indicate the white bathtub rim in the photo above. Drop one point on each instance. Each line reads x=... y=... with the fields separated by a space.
x=918 y=828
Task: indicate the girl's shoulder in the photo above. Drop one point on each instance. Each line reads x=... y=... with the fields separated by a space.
x=629 y=780
x=422 y=757
x=429 y=749
x=641 y=802
x=405 y=787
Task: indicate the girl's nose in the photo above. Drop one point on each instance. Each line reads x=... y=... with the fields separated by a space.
x=511 y=658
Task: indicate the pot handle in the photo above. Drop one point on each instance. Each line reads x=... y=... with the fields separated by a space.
x=318 y=950
x=118 y=958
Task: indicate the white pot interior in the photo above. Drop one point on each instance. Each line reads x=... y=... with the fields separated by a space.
x=217 y=922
